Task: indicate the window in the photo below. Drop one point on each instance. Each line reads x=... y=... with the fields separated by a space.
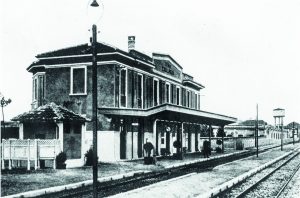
x=183 y=98
x=199 y=101
x=173 y=94
x=168 y=93
x=188 y=99
x=67 y=127
x=156 y=92
x=196 y=101
x=35 y=85
x=140 y=90
x=123 y=81
x=77 y=128
x=192 y=95
x=177 y=95
x=39 y=88
x=78 y=80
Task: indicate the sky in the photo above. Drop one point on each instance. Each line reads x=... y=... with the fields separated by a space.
x=243 y=52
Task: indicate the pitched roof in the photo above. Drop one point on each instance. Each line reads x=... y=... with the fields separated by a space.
x=278 y=109
x=77 y=50
x=293 y=124
x=49 y=112
x=83 y=53
x=155 y=54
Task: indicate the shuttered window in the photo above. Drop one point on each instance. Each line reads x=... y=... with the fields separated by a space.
x=123 y=80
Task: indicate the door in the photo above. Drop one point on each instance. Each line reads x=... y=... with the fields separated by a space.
x=123 y=141
x=140 y=140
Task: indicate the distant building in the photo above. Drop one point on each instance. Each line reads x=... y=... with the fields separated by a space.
x=293 y=126
x=245 y=128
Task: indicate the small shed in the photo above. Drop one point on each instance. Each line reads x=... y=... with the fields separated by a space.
x=54 y=122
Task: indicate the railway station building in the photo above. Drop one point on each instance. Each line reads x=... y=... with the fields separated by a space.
x=141 y=99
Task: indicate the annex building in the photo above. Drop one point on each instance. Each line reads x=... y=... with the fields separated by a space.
x=140 y=98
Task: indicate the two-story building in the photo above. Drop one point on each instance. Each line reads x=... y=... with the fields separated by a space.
x=140 y=98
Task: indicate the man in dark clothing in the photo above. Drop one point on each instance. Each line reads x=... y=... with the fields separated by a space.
x=206 y=149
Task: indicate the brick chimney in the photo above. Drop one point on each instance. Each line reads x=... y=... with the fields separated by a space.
x=131 y=43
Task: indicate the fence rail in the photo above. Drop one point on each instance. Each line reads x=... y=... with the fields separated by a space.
x=247 y=142
x=29 y=150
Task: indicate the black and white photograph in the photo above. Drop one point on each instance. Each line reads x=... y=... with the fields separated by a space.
x=144 y=99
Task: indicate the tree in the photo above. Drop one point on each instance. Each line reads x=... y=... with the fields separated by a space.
x=204 y=131
x=221 y=132
x=4 y=103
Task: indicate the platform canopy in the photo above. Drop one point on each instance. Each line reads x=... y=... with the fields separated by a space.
x=49 y=113
x=172 y=112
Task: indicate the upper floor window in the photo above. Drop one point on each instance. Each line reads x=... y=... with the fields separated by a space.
x=78 y=80
x=198 y=105
x=177 y=95
x=167 y=93
x=173 y=94
x=188 y=96
x=39 y=88
x=196 y=101
x=35 y=89
x=156 y=92
x=183 y=97
x=123 y=80
x=140 y=90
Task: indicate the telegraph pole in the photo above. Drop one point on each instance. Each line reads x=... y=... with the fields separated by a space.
x=281 y=134
x=256 y=130
x=293 y=131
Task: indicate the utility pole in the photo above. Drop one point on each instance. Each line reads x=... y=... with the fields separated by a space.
x=281 y=134
x=256 y=130
x=293 y=131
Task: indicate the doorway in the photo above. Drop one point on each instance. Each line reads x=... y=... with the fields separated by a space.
x=123 y=136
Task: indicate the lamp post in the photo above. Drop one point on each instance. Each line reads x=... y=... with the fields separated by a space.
x=94 y=111
x=95 y=15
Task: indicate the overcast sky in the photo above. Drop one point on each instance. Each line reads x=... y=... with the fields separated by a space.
x=243 y=52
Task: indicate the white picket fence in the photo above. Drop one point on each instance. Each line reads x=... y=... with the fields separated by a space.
x=15 y=150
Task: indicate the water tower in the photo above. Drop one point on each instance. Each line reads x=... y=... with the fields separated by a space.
x=278 y=115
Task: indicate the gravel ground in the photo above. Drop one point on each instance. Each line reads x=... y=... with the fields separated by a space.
x=293 y=188
x=234 y=192
x=274 y=183
x=17 y=181
x=197 y=184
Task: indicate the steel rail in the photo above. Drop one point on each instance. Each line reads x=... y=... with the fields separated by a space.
x=289 y=180
x=141 y=178
x=246 y=191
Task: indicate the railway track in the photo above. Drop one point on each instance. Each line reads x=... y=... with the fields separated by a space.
x=270 y=182
x=109 y=188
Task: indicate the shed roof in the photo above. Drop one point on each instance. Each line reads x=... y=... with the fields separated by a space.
x=48 y=113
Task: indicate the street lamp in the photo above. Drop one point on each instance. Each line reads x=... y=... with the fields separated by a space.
x=94 y=14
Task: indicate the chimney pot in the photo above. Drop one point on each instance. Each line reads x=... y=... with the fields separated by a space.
x=131 y=43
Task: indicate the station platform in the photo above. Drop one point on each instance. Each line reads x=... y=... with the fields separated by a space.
x=22 y=183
